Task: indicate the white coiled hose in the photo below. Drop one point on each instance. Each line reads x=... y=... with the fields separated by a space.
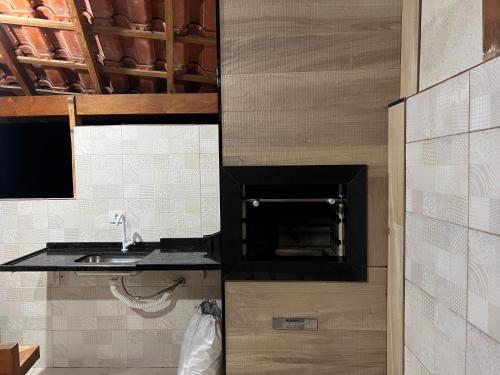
x=152 y=304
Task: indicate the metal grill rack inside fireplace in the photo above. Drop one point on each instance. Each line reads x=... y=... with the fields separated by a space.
x=294 y=223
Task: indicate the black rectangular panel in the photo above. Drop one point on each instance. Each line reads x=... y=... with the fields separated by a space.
x=35 y=159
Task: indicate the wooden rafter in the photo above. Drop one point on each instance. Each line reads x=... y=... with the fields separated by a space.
x=10 y=59
x=19 y=90
x=35 y=22
x=169 y=29
x=106 y=30
x=51 y=62
x=86 y=42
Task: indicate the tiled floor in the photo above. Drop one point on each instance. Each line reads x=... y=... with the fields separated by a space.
x=103 y=371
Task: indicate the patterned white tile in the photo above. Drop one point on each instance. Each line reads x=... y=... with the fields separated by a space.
x=436 y=260
x=99 y=176
x=483 y=353
x=101 y=348
x=98 y=140
x=413 y=365
x=160 y=139
x=86 y=308
x=439 y=111
x=150 y=348
x=437 y=178
x=484 y=177
x=451 y=39
x=209 y=169
x=161 y=176
x=485 y=96
x=209 y=139
x=24 y=309
x=23 y=221
x=435 y=334
x=83 y=220
x=484 y=281
x=210 y=215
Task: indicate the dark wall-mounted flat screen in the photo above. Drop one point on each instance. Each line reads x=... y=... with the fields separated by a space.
x=35 y=159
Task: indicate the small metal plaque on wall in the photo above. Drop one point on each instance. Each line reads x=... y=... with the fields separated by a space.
x=295 y=324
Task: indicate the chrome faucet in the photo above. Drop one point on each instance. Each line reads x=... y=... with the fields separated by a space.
x=126 y=242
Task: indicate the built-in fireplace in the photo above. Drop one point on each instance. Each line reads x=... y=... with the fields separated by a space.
x=294 y=223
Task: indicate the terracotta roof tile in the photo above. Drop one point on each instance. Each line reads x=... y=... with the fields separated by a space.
x=191 y=17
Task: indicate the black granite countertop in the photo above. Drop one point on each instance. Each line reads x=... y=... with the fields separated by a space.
x=168 y=254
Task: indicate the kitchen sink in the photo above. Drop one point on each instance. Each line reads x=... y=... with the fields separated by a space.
x=118 y=259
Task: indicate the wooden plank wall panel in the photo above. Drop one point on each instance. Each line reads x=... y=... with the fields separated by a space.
x=410 y=47
x=395 y=269
x=351 y=336
x=304 y=83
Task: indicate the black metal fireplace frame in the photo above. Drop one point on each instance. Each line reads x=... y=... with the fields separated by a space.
x=354 y=265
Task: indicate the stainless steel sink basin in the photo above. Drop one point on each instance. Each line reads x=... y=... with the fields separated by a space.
x=118 y=259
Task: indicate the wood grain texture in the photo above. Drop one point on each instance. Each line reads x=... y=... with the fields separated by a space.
x=410 y=35
x=86 y=42
x=10 y=59
x=395 y=264
x=308 y=83
x=126 y=104
x=350 y=339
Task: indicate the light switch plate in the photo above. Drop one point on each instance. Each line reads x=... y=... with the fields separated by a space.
x=113 y=216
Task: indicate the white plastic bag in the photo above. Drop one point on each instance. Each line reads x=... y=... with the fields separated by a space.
x=201 y=352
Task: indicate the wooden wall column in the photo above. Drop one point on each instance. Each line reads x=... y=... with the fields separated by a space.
x=395 y=265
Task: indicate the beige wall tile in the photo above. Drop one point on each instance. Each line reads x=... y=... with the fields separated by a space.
x=98 y=140
x=412 y=365
x=90 y=348
x=485 y=95
x=436 y=178
x=484 y=279
x=483 y=353
x=144 y=371
x=435 y=334
x=160 y=139
x=451 y=39
x=436 y=260
x=484 y=179
x=439 y=111
x=65 y=371
x=150 y=348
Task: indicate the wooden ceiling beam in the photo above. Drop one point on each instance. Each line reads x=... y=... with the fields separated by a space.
x=153 y=35
x=129 y=33
x=55 y=63
x=117 y=104
x=35 y=22
x=84 y=38
x=169 y=30
x=17 y=89
x=16 y=68
x=134 y=72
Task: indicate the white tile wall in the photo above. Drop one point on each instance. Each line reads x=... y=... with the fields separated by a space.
x=451 y=38
x=453 y=222
x=440 y=111
x=436 y=260
x=485 y=96
x=166 y=179
x=483 y=353
x=437 y=178
x=433 y=333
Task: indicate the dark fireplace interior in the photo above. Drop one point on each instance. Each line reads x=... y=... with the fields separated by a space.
x=297 y=223
x=294 y=223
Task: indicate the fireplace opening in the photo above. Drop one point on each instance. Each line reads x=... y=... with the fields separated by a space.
x=294 y=222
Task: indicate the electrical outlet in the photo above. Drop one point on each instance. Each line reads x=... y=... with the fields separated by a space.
x=114 y=215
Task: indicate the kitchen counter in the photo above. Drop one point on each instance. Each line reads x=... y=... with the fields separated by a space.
x=169 y=254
